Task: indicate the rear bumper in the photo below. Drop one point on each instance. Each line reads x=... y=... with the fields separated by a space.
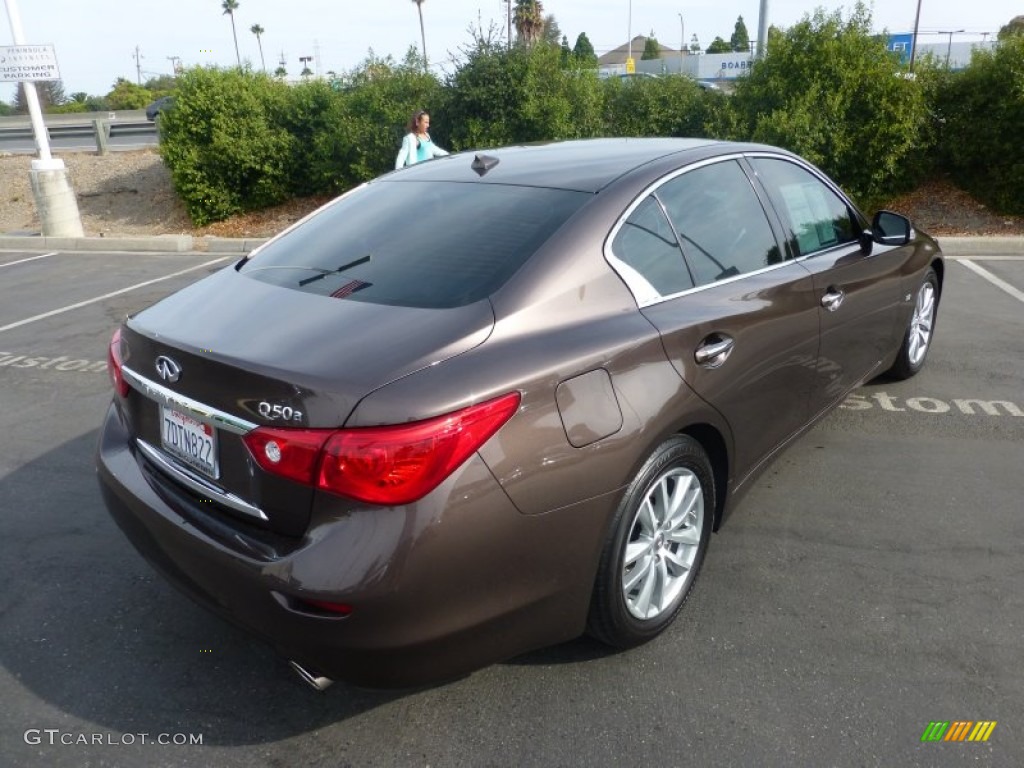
x=456 y=581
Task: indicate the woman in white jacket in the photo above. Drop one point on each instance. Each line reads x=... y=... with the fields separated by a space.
x=417 y=146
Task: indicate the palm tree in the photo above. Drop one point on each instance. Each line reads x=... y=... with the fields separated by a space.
x=257 y=30
x=423 y=34
x=529 y=20
x=230 y=6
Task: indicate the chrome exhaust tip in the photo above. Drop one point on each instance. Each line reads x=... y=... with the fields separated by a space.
x=318 y=682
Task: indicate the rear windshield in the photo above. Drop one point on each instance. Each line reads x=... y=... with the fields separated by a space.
x=416 y=244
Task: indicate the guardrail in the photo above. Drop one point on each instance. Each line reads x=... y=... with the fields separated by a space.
x=99 y=125
x=101 y=130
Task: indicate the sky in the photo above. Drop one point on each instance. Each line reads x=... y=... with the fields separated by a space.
x=96 y=41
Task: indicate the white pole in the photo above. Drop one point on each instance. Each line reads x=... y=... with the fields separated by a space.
x=762 y=30
x=55 y=199
x=629 y=30
x=32 y=99
x=682 y=42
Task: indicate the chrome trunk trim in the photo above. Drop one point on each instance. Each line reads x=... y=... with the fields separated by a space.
x=198 y=484
x=169 y=397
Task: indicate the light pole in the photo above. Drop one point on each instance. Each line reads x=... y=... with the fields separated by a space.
x=55 y=199
x=913 y=40
x=762 y=30
x=682 y=42
x=949 y=47
x=629 y=33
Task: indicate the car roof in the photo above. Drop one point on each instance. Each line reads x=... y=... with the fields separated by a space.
x=586 y=165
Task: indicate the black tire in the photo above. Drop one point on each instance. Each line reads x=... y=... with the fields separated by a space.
x=917 y=339
x=672 y=549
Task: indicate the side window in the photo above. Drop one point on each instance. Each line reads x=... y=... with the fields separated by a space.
x=719 y=217
x=647 y=245
x=816 y=218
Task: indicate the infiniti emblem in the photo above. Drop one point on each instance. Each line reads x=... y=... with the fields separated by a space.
x=169 y=370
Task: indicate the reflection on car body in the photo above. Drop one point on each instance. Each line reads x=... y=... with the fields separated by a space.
x=544 y=392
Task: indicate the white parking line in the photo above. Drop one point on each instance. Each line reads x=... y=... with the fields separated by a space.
x=106 y=296
x=30 y=258
x=984 y=273
x=985 y=258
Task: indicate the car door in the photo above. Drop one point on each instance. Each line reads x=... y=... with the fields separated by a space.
x=858 y=293
x=737 y=320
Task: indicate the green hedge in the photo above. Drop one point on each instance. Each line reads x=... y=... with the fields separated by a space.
x=225 y=143
x=828 y=90
x=982 y=113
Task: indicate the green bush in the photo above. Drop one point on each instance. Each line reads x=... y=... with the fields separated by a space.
x=224 y=142
x=313 y=118
x=380 y=98
x=830 y=91
x=983 y=110
x=500 y=97
x=658 y=106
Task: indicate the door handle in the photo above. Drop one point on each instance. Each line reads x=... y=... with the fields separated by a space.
x=833 y=299
x=712 y=354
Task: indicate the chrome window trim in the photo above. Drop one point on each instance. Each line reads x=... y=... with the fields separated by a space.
x=205 y=413
x=641 y=289
x=199 y=484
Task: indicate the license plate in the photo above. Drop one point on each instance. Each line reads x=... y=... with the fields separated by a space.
x=189 y=440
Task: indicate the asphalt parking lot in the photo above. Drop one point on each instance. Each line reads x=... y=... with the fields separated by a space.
x=871 y=583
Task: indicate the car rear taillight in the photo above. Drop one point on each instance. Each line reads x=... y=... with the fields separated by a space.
x=382 y=465
x=291 y=453
x=403 y=463
x=115 y=361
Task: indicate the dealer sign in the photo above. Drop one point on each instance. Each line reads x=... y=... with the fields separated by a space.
x=28 y=63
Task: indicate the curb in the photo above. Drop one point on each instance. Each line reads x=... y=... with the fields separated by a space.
x=157 y=244
x=232 y=245
x=982 y=246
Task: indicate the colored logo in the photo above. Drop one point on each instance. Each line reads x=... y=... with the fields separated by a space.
x=958 y=730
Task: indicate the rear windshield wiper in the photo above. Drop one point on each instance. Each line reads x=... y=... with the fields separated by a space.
x=344 y=267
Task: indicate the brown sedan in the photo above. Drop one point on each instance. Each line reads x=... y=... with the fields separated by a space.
x=490 y=402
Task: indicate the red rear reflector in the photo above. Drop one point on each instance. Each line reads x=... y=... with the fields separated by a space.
x=115 y=361
x=342 y=609
x=403 y=463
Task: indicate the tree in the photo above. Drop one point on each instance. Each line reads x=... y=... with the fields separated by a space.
x=528 y=18
x=982 y=109
x=651 y=48
x=566 y=50
x=718 y=45
x=423 y=34
x=830 y=91
x=552 y=33
x=584 y=51
x=127 y=95
x=694 y=45
x=740 y=40
x=281 y=71
x=161 y=85
x=230 y=6
x=50 y=93
x=257 y=30
x=1014 y=28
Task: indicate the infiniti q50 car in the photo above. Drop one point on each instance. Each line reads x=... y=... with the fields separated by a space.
x=492 y=402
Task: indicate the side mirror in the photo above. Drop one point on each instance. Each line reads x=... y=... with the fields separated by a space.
x=890 y=228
